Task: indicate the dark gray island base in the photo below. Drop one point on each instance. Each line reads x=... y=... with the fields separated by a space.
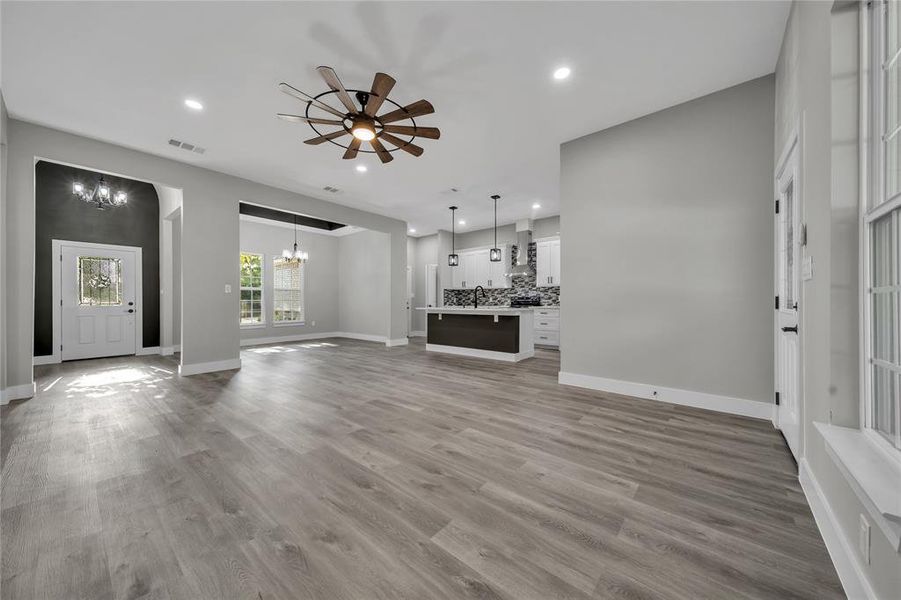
x=498 y=333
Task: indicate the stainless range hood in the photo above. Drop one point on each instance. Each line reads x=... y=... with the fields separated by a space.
x=523 y=239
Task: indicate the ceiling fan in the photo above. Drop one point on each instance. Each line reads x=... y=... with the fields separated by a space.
x=361 y=120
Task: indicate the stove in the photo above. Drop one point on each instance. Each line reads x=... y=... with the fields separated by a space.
x=520 y=301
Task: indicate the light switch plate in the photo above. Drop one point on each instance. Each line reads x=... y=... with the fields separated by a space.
x=863 y=539
x=228 y=288
x=807 y=268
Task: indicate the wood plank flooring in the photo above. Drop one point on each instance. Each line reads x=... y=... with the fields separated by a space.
x=341 y=469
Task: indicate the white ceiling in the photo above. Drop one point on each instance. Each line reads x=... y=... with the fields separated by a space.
x=120 y=72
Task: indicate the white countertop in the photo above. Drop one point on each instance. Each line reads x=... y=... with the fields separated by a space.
x=482 y=310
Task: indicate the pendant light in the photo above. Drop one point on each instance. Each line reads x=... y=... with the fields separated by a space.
x=495 y=254
x=297 y=255
x=453 y=259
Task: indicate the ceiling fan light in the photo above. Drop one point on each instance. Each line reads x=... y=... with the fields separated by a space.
x=363 y=131
x=495 y=255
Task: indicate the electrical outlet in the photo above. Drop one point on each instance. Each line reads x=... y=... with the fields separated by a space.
x=312 y=323
x=228 y=288
x=863 y=539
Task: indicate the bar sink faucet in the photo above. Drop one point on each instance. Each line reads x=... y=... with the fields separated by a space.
x=475 y=295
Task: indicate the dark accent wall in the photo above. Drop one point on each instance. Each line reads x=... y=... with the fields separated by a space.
x=61 y=216
x=521 y=285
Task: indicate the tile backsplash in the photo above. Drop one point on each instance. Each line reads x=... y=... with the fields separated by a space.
x=522 y=285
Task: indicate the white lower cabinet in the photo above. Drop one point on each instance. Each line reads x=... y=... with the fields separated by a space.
x=547 y=326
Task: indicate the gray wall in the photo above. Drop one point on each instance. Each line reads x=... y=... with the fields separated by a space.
x=320 y=278
x=815 y=79
x=506 y=234
x=668 y=259
x=210 y=332
x=60 y=216
x=363 y=279
x=176 y=281
x=426 y=254
x=4 y=126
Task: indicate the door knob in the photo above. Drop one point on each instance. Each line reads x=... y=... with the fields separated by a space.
x=790 y=329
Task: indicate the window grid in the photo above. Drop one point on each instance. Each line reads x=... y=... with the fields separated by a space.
x=882 y=232
x=251 y=273
x=287 y=291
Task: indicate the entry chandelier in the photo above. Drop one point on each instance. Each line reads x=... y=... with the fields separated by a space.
x=297 y=255
x=101 y=195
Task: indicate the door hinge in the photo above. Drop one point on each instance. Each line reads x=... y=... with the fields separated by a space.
x=60 y=301
x=803 y=234
x=777 y=302
x=777 y=398
x=60 y=347
x=777 y=207
x=60 y=258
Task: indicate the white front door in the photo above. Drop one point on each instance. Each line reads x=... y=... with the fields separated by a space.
x=788 y=287
x=97 y=300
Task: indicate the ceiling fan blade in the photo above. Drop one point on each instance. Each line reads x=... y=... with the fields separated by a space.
x=433 y=133
x=417 y=109
x=300 y=119
x=384 y=155
x=381 y=87
x=353 y=149
x=331 y=78
x=408 y=147
x=293 y=91
x=326 y=137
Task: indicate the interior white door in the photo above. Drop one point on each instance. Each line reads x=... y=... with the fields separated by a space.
x=97 y=301
x=409 y=300
x=788 y=287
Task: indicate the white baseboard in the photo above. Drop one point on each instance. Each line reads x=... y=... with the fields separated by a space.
x=417 y=334
x=726 y=404
x=148 y=351
x=841 y=549
x=366 y=337
x=476 y=353
x=209 y=367
x=170 y=350
x=17 y=392
x=47 y=359
x=284 y=339
x=397 y=342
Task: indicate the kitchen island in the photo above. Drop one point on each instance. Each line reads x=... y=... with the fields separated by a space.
x=495 y=332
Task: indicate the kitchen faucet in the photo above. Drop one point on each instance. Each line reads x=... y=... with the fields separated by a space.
x=475 y=295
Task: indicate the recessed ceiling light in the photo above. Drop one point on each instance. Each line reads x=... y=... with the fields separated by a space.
x=562 y=73
x=412 y=230
x=361 y=168
x=461 y=222
x=193 y=104
x=536 y=206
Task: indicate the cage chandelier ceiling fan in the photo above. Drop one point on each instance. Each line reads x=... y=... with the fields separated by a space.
x=361 y=120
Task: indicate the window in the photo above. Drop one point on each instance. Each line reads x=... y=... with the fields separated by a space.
x=287 y=292
x=882 y=231
x=251 y=289
x=99 y=281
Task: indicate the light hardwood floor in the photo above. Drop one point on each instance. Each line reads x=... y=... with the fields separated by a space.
x=346 y=470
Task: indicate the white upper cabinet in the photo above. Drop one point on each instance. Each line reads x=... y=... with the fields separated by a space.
x=475 y=269
x=547 y=269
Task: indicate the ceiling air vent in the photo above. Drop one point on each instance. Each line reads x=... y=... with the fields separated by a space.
x=187 y=146
x=331 y=189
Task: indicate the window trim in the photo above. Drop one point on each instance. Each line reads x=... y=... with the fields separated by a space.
x=303 y=299
x=872 y=168
x=262 y=322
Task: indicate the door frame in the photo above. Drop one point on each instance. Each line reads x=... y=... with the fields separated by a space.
x=791 y=157
x=56 y=278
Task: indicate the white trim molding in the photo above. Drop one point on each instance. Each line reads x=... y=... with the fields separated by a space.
x=170 y=350
x=476 y=353
x=284 y=339
x=17 y=392
x=417 y=334
x=397 y=342
x=209 y=367
x=725 y=404
x=148 y=351
x=366 y=337
x=840 y=548
x=46 y=359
